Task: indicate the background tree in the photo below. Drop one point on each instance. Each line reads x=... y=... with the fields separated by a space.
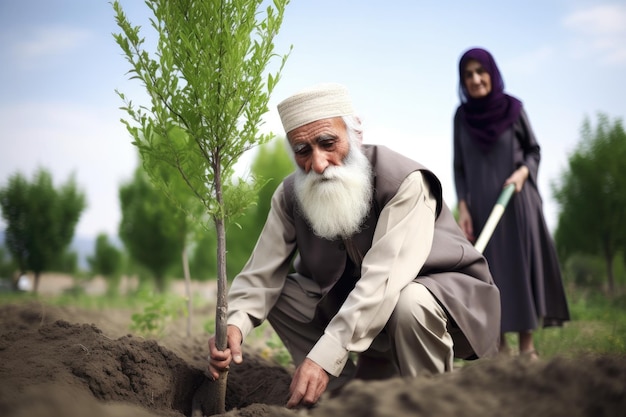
x=66 y=263
x=202 y=263
x=8 y=268
x=273 y=163
x=41 y=220
x=106 y=261
x=151 y=227
x=166 y=178
x=592 y=195
x=208 y=90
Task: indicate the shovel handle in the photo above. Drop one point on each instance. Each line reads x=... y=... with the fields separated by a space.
x=494 y=217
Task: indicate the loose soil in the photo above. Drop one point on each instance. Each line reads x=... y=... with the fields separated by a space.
x=68 y=362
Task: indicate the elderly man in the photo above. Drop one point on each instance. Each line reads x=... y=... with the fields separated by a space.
x=359 y=254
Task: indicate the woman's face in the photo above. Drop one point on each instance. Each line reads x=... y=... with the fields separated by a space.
x=477 y=79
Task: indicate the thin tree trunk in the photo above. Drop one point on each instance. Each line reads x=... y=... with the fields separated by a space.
x=213 y=393
x=15 y=280
x=217 y=390
x=221 y=311
x=609 y=254
x=187 y=289
x=608 y=259
x=36 y=283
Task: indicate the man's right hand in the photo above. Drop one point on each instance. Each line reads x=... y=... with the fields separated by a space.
x=219 y=360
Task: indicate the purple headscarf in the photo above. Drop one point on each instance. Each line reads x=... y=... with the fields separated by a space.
x=486 y=118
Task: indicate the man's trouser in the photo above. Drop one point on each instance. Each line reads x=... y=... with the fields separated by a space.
x=414 y=340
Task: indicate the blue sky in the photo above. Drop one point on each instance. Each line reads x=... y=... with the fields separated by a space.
x=565 y=59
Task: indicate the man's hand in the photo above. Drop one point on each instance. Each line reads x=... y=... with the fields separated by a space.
x=308 y=384
x=219 y=360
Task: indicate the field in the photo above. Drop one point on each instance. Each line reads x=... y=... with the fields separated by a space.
x=76 y=355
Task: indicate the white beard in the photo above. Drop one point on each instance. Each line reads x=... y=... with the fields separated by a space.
x=336 y=202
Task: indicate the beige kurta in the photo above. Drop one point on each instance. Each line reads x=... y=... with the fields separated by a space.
x=409 y=235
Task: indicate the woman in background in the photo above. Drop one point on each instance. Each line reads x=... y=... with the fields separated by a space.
x=494 y=145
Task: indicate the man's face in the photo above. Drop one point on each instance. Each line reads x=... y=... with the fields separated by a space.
x=334 y=182
x=320 y=144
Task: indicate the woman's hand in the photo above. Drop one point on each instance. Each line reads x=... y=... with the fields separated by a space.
x=518 y=177
x=465 y=221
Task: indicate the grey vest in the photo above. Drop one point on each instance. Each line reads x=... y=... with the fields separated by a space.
x=325 y=261
x=453 y=270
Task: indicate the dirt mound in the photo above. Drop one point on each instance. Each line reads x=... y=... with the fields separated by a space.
x=589 y=386
x=53 y=364
x=48 y=364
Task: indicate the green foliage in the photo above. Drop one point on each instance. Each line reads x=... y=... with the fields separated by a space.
x=592 y=195
x=7 y=265
x=277 y=351
x=107 y=259
x=152 y=228
x=209 y=326
x=588 y=271
x=270 y=347
x=158 y=313
x=75 y=291
x=67 y=262
x=585 y=271
x=208 y=89
x=40 y=218
x=271 y=163
x=203 y=263
x=598 y=325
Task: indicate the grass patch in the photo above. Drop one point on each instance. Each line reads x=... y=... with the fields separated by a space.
x=598 y=323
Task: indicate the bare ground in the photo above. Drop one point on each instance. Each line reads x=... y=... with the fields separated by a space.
x=71 y=362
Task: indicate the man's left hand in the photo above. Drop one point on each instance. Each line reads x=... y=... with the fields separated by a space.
x=308 y=384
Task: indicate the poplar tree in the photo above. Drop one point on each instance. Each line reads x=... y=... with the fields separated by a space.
x=150 y=227
x=208 y=85
x=591 y=194
x=41 y=220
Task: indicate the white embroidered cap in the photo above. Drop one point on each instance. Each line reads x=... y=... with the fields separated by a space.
x=321 y=101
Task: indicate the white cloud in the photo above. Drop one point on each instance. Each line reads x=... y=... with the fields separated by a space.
x=600 y=30
x=600 y=19
x=48 y=42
